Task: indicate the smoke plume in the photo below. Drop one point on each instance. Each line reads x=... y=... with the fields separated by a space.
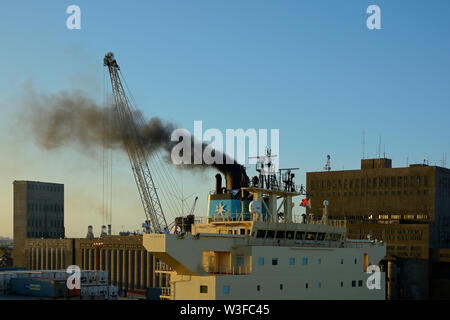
x=64 y=119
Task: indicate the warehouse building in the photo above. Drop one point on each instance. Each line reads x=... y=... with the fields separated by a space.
x=408 y=208
x=40 y=243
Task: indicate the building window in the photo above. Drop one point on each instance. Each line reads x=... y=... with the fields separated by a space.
x=299 y=235
x=356 y=261
x=305 y=261
x=275 y=261
x=260 y=261
x=261 y=233
x=226 y=290
x=319 y=261
x=270 y=234
x=342 y=261
x=281 y=234
x=281 y=287
x=240 y=261
x=342 y=283
x=290 y=234
x=319 y=285
x=203 y=289
x=354 y=283
x=306 y=285
x=258 y=288
x=360 y=283
x=291 y=261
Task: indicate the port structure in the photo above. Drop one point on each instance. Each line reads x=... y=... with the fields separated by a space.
x=130 y=123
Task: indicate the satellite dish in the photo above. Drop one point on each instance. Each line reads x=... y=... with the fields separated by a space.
x=325 y=202
x=255 y=207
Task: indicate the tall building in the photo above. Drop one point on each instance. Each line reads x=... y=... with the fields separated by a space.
x=38 y=213
x=408 y=208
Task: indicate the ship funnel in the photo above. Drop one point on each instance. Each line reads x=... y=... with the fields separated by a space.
x=218 y=183
x=236 y=177
x=90 y=233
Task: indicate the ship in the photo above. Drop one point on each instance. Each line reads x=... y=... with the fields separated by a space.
x=250 y=246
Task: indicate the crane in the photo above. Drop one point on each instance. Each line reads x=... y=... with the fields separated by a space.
x=191 y=212
x=130 y=123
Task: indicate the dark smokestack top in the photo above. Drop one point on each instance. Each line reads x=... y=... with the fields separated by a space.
x=235 y=176
x=218 y=183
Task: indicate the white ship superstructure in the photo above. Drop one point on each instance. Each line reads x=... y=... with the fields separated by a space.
x=251 y=247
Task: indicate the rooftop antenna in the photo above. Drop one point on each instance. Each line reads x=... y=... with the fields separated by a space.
x=364 y=144
x=327 y=166
x=384 y=151
x=379 y=147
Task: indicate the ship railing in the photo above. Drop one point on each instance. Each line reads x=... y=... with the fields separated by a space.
x=236 y=217
x=227 y=270
x=161 y=266
x=330 y=222
x=165 y=292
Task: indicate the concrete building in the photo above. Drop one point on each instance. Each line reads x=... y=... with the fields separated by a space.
x=129 y=265
x=38 y=213
x=408 y=208
x=40 y=243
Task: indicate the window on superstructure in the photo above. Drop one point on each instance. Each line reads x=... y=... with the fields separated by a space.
x=356 y=261
x=258 y=288
x=226 y=290
x=203 y=289
x=342 y=261
x=261 y=233
x=281 y=234
x=311 y=235
x=275 y=261
x=319 y=261
x=290 y=235
x=242 y=231
x=305 y=261
x=354 y=283
x=321 y=236
x=240 y=261
x=319 y=285
x=306 y=285
x=260 y=261
x=291 y=261
x=360 y=283
x=299 y=235
x=270 y=234
x=342 y=283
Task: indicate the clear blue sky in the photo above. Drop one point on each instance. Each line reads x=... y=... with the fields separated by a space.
x=309 y=68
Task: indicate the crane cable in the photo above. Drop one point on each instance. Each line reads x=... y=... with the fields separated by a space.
x=160 y=165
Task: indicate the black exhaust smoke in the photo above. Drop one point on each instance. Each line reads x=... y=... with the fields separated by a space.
x=72 y=119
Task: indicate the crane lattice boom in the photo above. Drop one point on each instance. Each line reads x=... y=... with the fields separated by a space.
x=130 y=124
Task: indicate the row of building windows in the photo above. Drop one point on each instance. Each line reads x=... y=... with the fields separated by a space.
x=45 y=187
x=40 y=223
x=226 y=289
x=297 y=235
x=292 y=261
x=40 y=234
x=373 y=193
x=45 y=207
x=374 y=182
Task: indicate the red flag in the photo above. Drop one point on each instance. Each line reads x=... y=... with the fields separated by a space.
x=305 y=203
